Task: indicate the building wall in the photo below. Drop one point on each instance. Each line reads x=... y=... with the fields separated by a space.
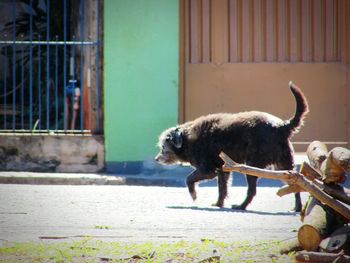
x=46 y=153
x=141 y=43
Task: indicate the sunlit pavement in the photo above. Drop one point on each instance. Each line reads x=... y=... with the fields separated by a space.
x=140 y=213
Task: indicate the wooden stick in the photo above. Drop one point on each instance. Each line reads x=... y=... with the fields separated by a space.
x=230 y=165
x=305 y=256
x=335 y=191
x=289 y=189
x=291 y=177
x=310 y=172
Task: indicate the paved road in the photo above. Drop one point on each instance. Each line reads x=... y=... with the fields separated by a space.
x=139 y=213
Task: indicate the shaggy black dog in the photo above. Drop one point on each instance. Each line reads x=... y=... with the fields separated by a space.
x=255 y=138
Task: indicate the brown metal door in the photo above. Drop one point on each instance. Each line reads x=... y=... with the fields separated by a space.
x=239 y=55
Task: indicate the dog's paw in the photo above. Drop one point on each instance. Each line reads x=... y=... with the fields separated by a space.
x=218 y=204
x=296 y=210
x=193 y=195
x=238 y=207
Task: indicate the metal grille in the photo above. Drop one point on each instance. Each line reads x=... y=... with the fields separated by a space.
x=231 y=31
x=50 y=66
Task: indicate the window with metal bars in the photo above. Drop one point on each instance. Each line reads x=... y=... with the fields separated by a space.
x=50 y=66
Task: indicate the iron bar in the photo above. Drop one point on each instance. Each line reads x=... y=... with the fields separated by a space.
x=64 y=64
x=98 y=64
x=47 y=65
x=14 y=66
x=39 y=85
x=89 y=85
x=38 y=42
x=82 y=79
x=31 y=66
x=73 y=82
x=5 y=89
x=56 y=85
x=22 y=87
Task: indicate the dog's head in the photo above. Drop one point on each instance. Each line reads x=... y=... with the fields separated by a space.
x=170 y=142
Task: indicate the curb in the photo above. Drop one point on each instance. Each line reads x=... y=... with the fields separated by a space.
x=53 y=179
x=89 y=179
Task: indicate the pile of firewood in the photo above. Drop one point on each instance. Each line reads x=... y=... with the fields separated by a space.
x=325 y=232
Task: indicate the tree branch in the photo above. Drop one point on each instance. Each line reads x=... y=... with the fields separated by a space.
x=291 y=177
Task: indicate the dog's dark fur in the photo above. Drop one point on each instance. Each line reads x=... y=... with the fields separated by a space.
x=256 y=138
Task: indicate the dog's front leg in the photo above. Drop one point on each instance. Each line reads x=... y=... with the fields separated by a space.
x=223 y=179
x=191 y=181
x=195 y=177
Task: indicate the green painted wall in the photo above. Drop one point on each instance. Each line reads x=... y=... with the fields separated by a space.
x=141 y=54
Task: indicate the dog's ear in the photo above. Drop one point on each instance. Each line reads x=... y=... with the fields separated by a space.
x=176 y=138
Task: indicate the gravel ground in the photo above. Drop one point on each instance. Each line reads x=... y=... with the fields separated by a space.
x=139 y=213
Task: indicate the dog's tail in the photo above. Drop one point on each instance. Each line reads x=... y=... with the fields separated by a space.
x=292 y=125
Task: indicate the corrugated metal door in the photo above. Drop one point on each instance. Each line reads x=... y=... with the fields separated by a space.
x=239 y=55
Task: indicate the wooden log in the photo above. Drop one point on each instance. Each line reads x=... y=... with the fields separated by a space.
x=337 y=191
x=291 y=177
x=336 y=165
x=342 y=157
x=320 y=257
x=309 y=237
x=314 y=225
x=318 y=222
x=316 y=152
x=339 y=240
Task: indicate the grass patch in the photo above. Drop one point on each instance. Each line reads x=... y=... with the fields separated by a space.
x=92 y=250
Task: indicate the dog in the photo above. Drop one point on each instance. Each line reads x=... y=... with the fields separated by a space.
x=255 y=138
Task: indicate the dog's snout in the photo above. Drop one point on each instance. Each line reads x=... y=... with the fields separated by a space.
x=156 y=158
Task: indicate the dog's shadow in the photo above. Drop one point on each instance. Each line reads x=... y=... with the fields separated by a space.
x=225 y=209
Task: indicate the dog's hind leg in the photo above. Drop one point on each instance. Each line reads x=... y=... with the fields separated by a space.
x=251 y=192
x=298 y=203
x=223 y=179
x=195 y=177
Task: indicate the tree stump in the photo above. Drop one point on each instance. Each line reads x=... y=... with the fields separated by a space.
x=338 y=241
x=314 y=226
x=319 y=221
